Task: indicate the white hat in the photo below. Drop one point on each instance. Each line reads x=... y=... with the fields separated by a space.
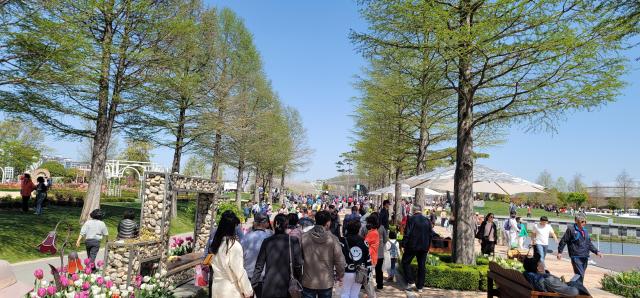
x=9 y=286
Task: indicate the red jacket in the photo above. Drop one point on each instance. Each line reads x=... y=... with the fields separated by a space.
x=26 y=187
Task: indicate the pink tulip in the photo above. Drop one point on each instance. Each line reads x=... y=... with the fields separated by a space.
x=77 y=295
x=42 y=292
x=51 y=290
x=189 y=239
x=86 y=285
x=100 y=263
x=87 y=261
x=74 y=277
x=100 y=280
x=87 y=270
x=38 y=273
x=64 y=281
x=108 y=284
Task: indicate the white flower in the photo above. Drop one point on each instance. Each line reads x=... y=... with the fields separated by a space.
x=95 y=291
x=146 y=279
x=162 y=284
x=143 y=286
x=115 y=290
x=124 y=294
x=123 y=287
x=150 y=288
x=71 y=295
x=33 y=294
x=44 y=283
x=157 y=275
x=107 y=278
x=163 y=272
x=78 y=283
x=92 y=279
x=130 y=289
x=71 y=289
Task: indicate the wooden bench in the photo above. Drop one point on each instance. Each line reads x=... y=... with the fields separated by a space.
x=511 y=283
x=445 y=249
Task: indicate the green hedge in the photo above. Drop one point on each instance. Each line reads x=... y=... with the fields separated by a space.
x=445 y=277
x=222 y=207
x=626 y=284
x=441 y=273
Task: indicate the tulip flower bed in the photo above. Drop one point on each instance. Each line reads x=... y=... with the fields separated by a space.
x=181 y=246
x=88 y=284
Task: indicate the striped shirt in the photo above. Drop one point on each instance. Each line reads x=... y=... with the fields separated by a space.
x=127 y=228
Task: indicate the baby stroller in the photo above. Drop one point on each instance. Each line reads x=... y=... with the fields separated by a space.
x=48 y=245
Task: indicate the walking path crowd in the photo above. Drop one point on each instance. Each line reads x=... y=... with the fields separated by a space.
x=346 y=247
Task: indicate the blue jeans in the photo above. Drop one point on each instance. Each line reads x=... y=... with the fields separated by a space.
x=312 y=293
x=540 y=252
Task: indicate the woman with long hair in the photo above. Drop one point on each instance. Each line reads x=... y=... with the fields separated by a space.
x=229 y=277
x=279 y=254
x=487 y=235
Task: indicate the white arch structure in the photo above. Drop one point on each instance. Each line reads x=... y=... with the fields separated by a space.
x=115 y=169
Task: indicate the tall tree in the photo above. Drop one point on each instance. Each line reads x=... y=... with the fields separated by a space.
x=576 y=184
x=179 y=84
x=545 y=179
x=298 y=157
x=83 y=61
x=561 y=185
x=137 y=150
x=508 y=61
x=625 y=184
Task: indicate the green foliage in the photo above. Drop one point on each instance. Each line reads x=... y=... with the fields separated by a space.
x=626 y=284
x=137 y=150
x=55 y=168
x=577 y=198
x=446 y=277
x=222 y=207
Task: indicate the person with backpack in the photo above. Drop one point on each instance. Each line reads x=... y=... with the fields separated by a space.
x=394 y=253
x=358 y=261
x=512 y=229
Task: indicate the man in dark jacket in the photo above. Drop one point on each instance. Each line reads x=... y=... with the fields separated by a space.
x=577 y=239
x=416 y=242
x=384 y=214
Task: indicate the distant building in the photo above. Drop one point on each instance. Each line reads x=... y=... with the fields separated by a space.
x=230 y=186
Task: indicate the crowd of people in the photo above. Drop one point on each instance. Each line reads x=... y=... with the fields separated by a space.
x=315 y=248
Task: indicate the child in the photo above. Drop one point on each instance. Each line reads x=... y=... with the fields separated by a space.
x=394 y=253
x=128 y=228
x=93 y=230
x=523 y=233
x=75 y=265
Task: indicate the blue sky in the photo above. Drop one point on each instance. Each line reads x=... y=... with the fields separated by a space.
x=312 y=64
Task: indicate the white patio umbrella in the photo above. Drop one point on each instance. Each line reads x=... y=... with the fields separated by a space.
x=405 y=189
x=485 y=180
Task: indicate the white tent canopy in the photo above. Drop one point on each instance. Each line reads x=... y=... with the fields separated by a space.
x=485 y=180
x=405 y=190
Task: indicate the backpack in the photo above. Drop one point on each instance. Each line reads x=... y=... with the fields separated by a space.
x=507 y=225
x=393 y=249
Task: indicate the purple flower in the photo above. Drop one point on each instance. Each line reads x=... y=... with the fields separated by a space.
x=87 y=270
x=74 y=277
x=42 y=292
x=86 y=285
x=51 y=290
x=108 y=284
x=38 y=273
x=100 y=280
x=64 y=281
x=100 y=263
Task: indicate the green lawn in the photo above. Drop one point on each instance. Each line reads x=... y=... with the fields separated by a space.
x=502 y=208
x=21 y=233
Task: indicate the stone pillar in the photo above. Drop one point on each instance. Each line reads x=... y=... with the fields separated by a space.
x=207 y=207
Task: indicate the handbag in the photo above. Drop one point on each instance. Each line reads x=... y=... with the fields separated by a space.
x=362 y=274
x=202 y=275
x=295 y=288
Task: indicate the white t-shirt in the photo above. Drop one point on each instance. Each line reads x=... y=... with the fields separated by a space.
x=542 y=233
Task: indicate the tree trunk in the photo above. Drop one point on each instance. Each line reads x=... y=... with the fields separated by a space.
x=104 y=123
x=270 y=186
x=96 y=176
x=397 y=197
x=239 y=183
x=464 y=225
x=215 y=164
x=282 y=193
x=177 y=153
x=422 y=154
x=256 y=183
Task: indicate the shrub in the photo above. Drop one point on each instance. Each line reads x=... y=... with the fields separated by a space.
x=222 y=207
x=446 y=277
x=626 y=284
